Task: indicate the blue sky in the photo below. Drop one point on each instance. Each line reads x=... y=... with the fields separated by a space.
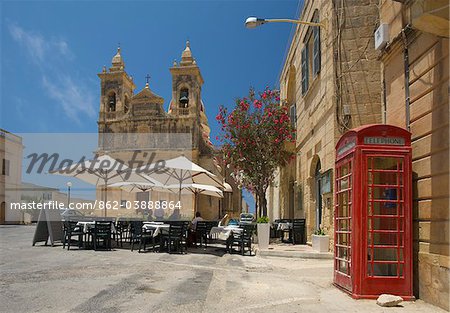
x=52 y=51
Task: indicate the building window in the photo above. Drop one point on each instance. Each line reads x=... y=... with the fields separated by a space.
x=316 y=46
x=5 y=167
x=311 y=54
x=305 y=69
x=126 y=106
x=293 y=115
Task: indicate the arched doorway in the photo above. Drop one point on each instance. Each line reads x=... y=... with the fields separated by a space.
x=2 y=212
x=318 y=194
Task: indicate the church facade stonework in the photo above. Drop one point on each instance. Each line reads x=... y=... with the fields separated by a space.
x=123 y=112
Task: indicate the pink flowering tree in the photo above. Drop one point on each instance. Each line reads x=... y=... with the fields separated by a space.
x=253 y=136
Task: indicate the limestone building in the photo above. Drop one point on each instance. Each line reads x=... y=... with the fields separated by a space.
x=11 y=151
x=331 y=83
x=122 y=112
x=415 y=73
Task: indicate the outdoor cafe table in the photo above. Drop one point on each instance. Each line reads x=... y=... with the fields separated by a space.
x=157 y=227
x=224 y=232
x=87 y=225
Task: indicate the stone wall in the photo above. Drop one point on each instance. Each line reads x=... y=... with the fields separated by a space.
x=429 y=124
x=11 y=150
x=349 y=76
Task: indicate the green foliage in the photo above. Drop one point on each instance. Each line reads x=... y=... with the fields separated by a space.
x=253 y=139
x=320 y=232
x=263 y=219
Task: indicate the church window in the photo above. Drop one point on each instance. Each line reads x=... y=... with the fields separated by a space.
x=126 y=106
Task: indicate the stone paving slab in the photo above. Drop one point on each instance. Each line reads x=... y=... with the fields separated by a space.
x=52 y=279
x=292 y=251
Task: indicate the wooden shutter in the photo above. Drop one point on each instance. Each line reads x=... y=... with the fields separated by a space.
x=316 y=50
x=293 y=115
x=305 y=69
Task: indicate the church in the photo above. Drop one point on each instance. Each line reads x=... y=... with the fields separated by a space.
x=130 y=122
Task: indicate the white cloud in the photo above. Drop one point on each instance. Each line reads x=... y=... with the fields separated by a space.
x=38 y=47
x=52 y=57
x=34 y=43
x=74 y=99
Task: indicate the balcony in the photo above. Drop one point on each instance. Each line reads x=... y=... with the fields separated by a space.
x=183 y=111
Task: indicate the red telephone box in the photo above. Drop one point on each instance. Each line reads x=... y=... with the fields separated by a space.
x=373 y=212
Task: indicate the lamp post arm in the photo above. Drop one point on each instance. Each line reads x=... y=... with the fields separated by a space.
x=284 y=20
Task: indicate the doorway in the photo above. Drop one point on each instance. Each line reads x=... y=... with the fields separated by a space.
x=318 y=195
x=2 y=212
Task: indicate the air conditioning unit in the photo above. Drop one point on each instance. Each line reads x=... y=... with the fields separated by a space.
x=381 y=36
x=346 y=110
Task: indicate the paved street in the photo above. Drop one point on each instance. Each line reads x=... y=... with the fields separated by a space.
x=52 y=279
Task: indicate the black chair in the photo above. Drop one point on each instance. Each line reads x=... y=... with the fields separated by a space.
x=186 y=229
x=274 y=229
x=120 y=233
x=71 y=229
x=102 y=235
x=175 y=239
x=146 y=236
x=243 y=239
x=298 y=231
x=135 y=232
x=201 y=233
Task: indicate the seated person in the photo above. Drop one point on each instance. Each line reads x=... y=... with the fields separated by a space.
x=159 y=213
x=175 y=216
x=150 y=215
x=197 y=218
x=192 y=233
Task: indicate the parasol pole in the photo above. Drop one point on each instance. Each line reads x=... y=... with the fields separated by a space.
x=195 y=203
x=106 y=192
x=181 y=182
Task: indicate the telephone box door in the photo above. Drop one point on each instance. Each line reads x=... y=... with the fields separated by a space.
x=386 y=225
x=343 y=223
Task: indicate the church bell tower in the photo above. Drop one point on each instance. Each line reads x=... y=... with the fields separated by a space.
x=187 y=84
x=116 y=92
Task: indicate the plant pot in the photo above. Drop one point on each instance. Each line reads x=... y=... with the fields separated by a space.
x=320 y=243
x=263 y=235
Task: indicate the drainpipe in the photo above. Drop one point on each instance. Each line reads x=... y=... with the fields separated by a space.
x=406 y=66
x=384 y=118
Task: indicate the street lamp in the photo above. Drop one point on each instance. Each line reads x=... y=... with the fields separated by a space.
x=253 y=22
x=69 y=184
